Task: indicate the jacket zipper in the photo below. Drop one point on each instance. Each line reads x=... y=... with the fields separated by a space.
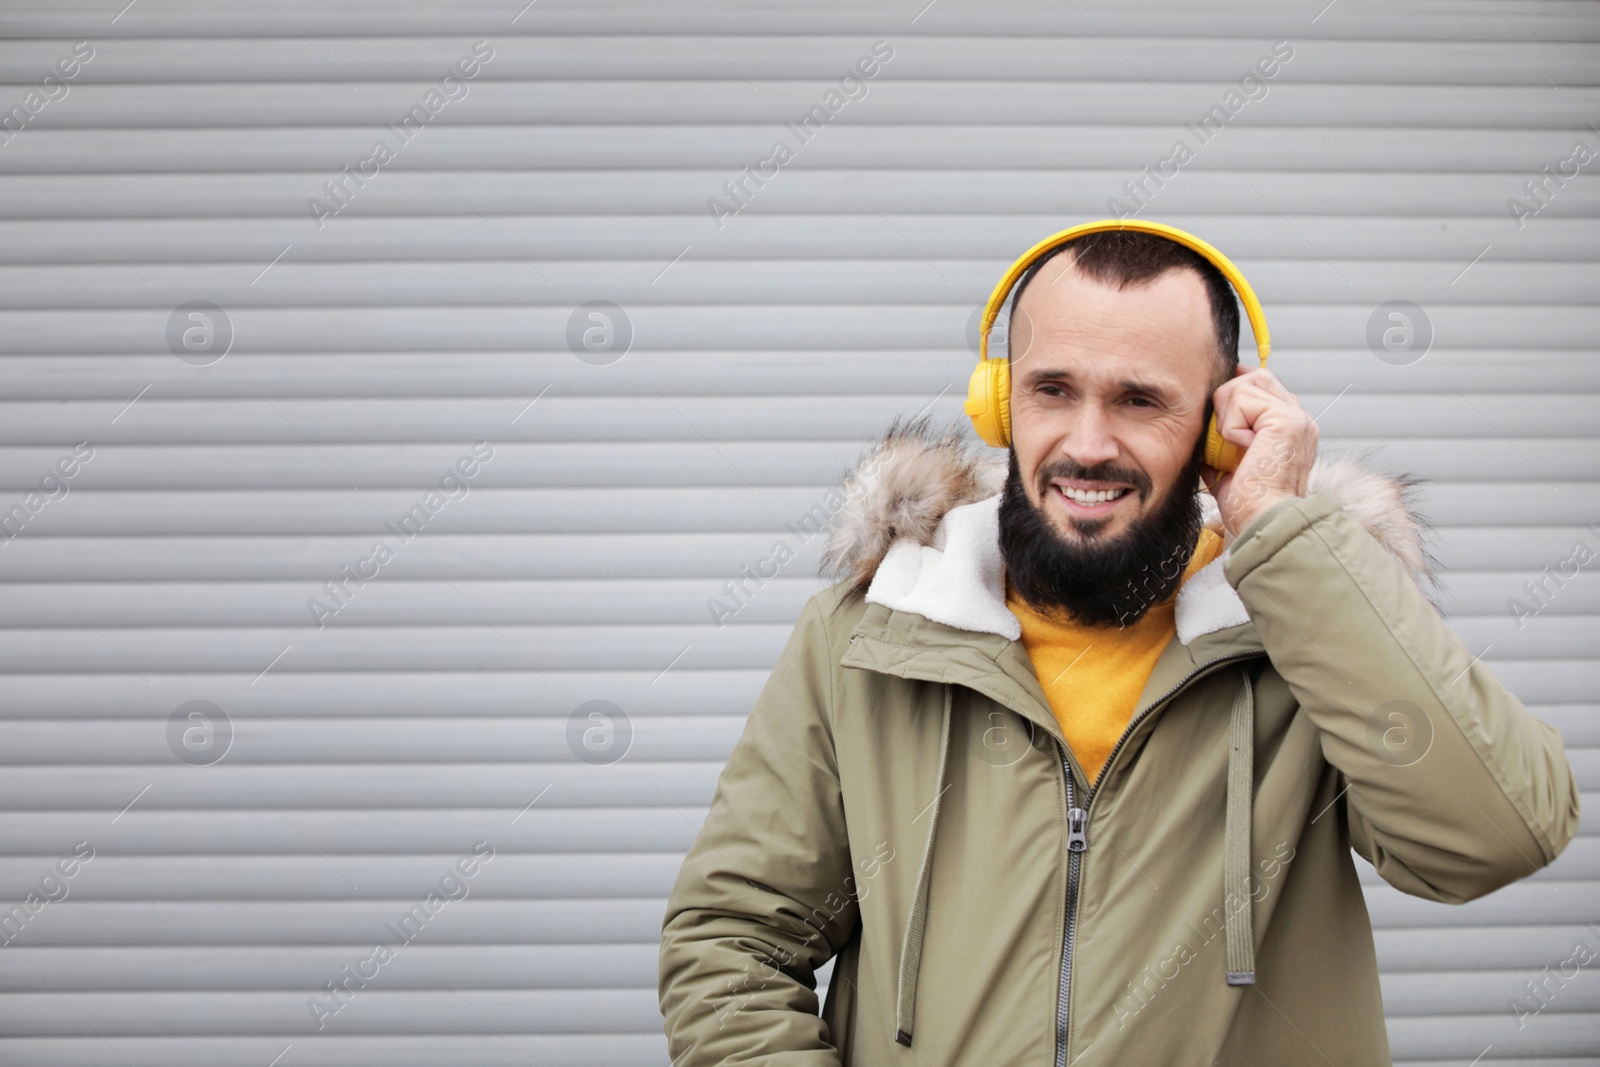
x=1078 y=842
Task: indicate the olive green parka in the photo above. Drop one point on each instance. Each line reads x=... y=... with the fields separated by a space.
x=902 y=801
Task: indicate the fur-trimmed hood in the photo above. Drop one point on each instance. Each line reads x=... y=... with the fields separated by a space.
x=919 y=531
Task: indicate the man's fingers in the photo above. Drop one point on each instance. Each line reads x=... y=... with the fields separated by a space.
x=1242 y=409
x=1260 y=378
x=1265 y=379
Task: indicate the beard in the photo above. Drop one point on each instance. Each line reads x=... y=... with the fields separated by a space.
x=1090 y=579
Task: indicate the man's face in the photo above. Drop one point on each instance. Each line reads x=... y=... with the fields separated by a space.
x=1108 y=394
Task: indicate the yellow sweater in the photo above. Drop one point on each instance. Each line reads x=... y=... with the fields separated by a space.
x=1093 y=675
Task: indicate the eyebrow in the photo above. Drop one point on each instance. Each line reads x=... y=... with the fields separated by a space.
x=1159 y=391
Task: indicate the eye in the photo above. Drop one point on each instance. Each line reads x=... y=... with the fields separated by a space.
x=1051 y=389
x=1141 y=401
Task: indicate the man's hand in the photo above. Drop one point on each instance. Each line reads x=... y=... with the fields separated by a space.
x=1256 y=412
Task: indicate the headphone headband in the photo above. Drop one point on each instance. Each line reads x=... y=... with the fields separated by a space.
x=1247 y=296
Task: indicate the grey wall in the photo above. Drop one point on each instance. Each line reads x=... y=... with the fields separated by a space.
x=340 y=770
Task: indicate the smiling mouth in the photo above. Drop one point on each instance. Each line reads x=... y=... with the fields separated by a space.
x=1083 y=500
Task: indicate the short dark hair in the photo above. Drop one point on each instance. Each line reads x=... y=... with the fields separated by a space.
x=1128 y=257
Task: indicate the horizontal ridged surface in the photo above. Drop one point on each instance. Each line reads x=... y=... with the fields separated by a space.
x=370 y=747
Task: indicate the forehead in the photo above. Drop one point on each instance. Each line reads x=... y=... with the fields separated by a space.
x=1162 y=326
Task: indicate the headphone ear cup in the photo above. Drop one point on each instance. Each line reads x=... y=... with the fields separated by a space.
x=989 y=401
x=1002 y=399
x=1221 y=454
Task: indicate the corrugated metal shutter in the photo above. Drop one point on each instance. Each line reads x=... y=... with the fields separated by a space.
x=348 y=768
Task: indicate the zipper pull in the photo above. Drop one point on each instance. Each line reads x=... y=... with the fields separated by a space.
x=1077 y=830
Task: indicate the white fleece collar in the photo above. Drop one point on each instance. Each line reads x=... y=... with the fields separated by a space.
x=959 y=580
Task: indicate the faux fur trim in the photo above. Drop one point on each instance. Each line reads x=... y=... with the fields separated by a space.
x=958 y=580
x=905 y=485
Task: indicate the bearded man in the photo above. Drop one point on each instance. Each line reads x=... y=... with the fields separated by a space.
x=1069 y=766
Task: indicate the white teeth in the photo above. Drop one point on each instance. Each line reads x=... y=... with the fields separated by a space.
x=1089 y=498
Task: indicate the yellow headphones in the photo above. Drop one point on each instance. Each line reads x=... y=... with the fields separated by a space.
x=989 y=389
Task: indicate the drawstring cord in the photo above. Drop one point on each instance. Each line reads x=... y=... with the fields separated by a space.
x=1240 y=936
x=911 y=948
x=1238 y=933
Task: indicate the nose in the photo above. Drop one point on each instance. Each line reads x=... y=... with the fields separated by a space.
x=1086 y=442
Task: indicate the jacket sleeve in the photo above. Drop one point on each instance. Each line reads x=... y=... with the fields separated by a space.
x=1454 y=788
x=764 y=896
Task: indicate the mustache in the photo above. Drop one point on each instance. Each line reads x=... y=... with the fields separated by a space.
x=1071 y=470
